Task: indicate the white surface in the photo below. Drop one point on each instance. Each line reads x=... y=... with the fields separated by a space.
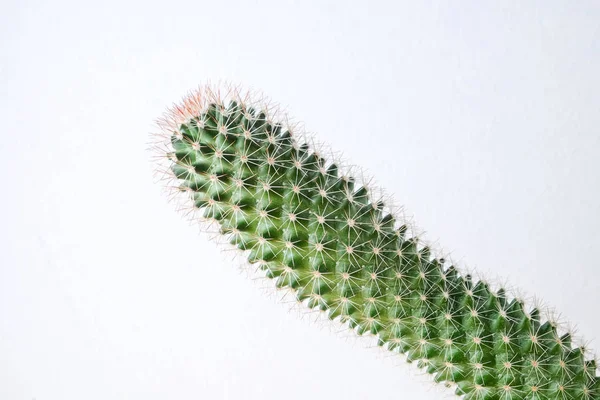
x=483 y=120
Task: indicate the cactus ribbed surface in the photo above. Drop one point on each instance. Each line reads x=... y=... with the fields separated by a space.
x=319 y=233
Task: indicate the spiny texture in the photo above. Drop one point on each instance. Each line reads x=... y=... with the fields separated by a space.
x=317 y=232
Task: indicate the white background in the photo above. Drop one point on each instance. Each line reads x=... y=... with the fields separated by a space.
x=482 y=119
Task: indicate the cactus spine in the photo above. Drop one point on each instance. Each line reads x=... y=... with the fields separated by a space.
x=323 y=235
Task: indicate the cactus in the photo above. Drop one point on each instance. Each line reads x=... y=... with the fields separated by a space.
x=325 y=236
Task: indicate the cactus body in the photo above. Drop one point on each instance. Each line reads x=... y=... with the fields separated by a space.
x=322 y=235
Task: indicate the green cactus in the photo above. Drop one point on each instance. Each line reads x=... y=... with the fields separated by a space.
x=324 y=236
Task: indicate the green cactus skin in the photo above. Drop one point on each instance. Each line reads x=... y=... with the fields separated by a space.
x=319 y=234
